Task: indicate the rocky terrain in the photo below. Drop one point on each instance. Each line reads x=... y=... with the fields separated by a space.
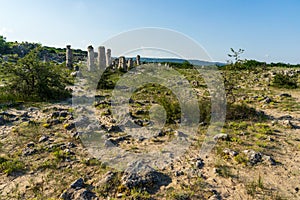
x=256 y=157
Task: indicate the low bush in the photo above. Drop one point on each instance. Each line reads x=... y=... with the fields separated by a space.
x=285 y=81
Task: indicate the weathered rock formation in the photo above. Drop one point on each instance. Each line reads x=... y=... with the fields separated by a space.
x=101 y=57
x=108 y=57
x=91 y=58
x=122 y=63
x=69 y=57
x=138 y=60
x=129 y=63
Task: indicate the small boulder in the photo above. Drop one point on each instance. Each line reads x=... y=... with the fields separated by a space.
x=269 y=160
x=108 y=177
x=141 y=175
x=180 y=134
x=69 y=126
x=285 y=95
x=29 y=151
x=230 y=152
x=253 y=156
x=44 y=138
x=63 y=114
x=139 y=122
x=74 y=74
x=159 y=134
x=288 y=124
x=55 y=114
x=199 y=163
x=267 y=100
x=80 y=194
x=30 y=144
x=179 y=173
x=71 y=145
x=114 y=129
x=221 y=136
x=78 y=184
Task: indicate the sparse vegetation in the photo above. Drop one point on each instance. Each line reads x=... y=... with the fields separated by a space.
x=285 y=81
x=32 y=79
x=10 y=166
x=42 y=141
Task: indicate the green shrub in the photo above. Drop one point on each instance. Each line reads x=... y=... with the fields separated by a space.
x=9 y=166
x=241 y=159
x=34 y=80
x=285 y=81
x=181 y=196
x=109 y=79
x=137 y=193
x=244 y=112
x=60 y=155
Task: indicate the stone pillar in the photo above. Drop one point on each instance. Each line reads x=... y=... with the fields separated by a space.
x=101 y=57
x=138 y=60
x=122 y=63
x=69 y=57
x=91 y=58
x=108 y=57
x=130 y=63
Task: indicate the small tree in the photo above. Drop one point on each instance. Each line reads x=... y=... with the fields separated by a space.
x=37 y=80
x=236 y=55
x=230 y=79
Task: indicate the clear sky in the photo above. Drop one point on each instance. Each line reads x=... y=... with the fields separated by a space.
x=268 y=30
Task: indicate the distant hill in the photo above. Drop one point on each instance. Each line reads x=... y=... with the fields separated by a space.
x=178 y=60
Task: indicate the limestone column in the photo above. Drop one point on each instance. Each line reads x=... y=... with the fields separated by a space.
x=101 y=57
x=138 y=60
x=91 y=58
x=122 y=63
x=69 y=57
x=130 y=63
x=108 y=57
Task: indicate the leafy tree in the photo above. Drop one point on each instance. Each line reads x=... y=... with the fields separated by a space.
x=3 y=45
x=37 y=80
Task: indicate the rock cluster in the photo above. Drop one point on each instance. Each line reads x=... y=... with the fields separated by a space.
x=104 y=59
x=256 y=157
x=143 y=176
x=78 y=191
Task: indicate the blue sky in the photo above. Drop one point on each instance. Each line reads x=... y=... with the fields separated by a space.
x=268 y=30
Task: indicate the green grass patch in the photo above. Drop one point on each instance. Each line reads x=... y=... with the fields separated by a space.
x=10 y=166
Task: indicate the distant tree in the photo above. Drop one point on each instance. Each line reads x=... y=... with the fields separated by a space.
x=3 y=45
x=187 y=65
x=230 y=78
x=33 y=79
x=236 y=54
